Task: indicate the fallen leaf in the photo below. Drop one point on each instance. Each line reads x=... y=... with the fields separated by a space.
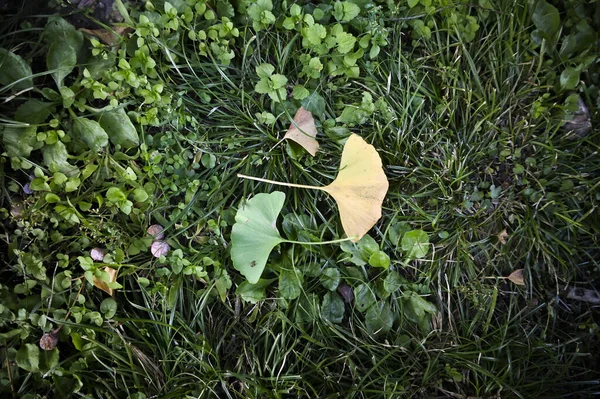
x=502 y=236
x=108 y=36
x=517 y=277
x=359 y=188
x=103 y=285
x=303 y=131
x=255 y=233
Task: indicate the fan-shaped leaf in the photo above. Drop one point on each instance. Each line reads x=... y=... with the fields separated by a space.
x=104 y=285
x=255 y=233
x=517 y=277
x=303 y=131
x=359 y=188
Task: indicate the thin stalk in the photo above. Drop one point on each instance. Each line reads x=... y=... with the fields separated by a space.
x=280 y=183
x=322 y=242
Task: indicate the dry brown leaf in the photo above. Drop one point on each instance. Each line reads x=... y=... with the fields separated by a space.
x=303 y=131
x=517 y=277
x=359 y=188
x=104 y=286
x=502 y=236
x=110 y=37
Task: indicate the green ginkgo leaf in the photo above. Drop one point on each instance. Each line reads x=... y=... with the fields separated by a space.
x=255 y=234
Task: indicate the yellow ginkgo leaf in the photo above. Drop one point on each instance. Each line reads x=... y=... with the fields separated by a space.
x=303 y=131
x=359 y=188
x=103 y=285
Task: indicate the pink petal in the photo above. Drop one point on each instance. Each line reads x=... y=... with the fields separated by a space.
x=98 y=254
x=159 y=248
x=156 y=231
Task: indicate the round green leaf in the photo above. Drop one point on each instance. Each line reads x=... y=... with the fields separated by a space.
x=290 y=284
x=28 y=357
x=255 y=233
x=332 y=308
x=140 y=195
x=380 y=259
x=392 y=282
x=379 y=318
x=330 y=278
x=365 y=297
x=569 y=78
x=253 y=292
x=416 y=244
x=52 y=198
x=115 y=195
x=108 y=307
x=209 y=161
x=265 y=70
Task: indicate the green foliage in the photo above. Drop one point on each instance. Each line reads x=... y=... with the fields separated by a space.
x=358 y=114
x=91 y=133
x=120 y=130
x=415 y=243
x=465 y=103
x=64 y=43
x=270 y=83
x=260 y=14
x=568 y=41
x=332 y=308
x=345 y=11
x=14 y=70
x=255 y=234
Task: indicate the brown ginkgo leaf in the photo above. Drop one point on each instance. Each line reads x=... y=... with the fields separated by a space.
x=358 y=189
x=103 y=285
x=108 y=36
x=303 y=131
x=517 y=277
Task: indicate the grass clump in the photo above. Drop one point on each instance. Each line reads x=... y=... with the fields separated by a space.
x=483 y=117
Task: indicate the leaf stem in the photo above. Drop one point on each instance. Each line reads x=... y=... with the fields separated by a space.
x=322 y=242
x=278 y=182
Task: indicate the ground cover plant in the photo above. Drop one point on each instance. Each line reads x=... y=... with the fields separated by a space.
x=124 y=128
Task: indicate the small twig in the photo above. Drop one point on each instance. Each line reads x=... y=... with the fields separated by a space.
x=279 y=183
x=10 y=380
x=7 y=99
